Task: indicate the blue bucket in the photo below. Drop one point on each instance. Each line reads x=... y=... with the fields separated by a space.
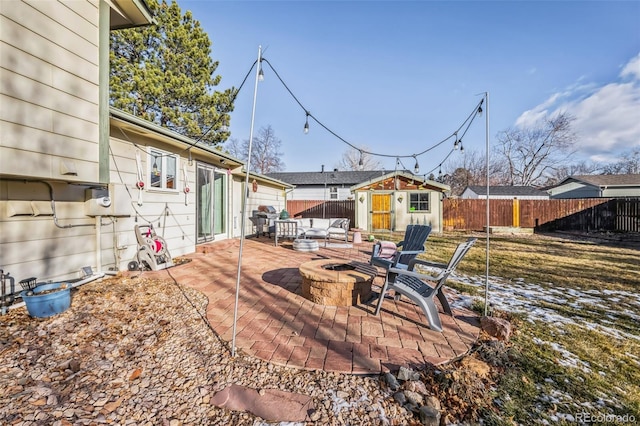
x=49 y=304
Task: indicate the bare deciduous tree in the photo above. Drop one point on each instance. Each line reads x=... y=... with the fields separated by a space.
x=580 y=168
x=352 y=158
x=628 y=163
x=470 y=169
x=265 y=151
x=532 y=153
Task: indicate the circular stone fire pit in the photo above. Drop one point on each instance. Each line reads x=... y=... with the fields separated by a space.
x=335 y=282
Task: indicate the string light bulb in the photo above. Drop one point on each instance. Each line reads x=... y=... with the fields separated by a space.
x=440 y=172
x=361 y=161
x=455 y=144
x=460 y=143
x=416 y=168
x=306 y=124
x=260 y=74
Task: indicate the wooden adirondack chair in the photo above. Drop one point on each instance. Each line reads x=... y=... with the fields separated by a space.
x=422 y=289
x=384 y=255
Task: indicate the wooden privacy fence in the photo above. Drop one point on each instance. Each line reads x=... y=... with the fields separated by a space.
x=586 y=214
x=321 y=208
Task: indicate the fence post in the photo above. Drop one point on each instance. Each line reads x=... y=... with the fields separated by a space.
x=516 y=213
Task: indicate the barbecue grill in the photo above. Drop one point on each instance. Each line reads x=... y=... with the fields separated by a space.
x=263 y=220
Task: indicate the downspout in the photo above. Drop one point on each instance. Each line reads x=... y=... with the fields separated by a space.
x=103 y=92
x=99 y=243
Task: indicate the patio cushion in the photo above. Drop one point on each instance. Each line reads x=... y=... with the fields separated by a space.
x=315 y=232
x=334 y=230
x=388 y=249
x=339 y=223
x=304 y=222
x=321 y=223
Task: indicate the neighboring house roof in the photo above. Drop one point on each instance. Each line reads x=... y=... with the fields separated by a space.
x=352 y=179
x=605 y=181
x=334 y=177
x=515 y=191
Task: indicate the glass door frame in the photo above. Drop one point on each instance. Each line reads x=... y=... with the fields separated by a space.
x=211 y=197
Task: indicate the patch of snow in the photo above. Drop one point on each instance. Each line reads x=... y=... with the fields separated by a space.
x=521 y=297
x=340 y=404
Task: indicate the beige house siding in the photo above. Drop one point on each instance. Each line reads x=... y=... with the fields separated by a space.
x=49 y=137
x=164 y=209
x=265 y=196
x=49 y=125
x=49 y=90
x=33 y=245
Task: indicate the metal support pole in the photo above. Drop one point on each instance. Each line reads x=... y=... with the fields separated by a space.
x=486 y=136
x=244 y=204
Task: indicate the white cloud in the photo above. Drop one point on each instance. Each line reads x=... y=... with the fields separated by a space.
x=607 y=117
x=632 y=68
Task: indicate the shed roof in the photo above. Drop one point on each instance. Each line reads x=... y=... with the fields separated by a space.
x=415 y=180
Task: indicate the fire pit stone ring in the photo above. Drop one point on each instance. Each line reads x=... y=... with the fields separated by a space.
x=336 y=282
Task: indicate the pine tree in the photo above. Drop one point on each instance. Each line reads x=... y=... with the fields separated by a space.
x=164 y=73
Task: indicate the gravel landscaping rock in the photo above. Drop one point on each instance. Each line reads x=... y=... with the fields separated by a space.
x=134 y=351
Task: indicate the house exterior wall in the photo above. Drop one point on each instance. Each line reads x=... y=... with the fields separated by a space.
x=171 y=212
x=50 y=226
x=266 y=195
x=49 y=93
x=31 y=244
x=314 y=192
x=469 y=194
x=49 y=90
x=575 y=190
x=620 y=192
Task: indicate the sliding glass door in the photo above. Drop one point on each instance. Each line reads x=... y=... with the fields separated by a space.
x=211 y=196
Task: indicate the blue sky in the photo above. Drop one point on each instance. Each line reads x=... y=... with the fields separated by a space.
x=397 y=77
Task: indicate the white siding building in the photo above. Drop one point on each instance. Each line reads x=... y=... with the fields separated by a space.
x=76 y=176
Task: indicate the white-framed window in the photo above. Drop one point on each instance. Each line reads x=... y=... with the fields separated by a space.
x=163 y=170
x=419 y=202
x=333 y=192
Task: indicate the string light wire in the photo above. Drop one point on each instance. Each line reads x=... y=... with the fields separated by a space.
x=466 y=124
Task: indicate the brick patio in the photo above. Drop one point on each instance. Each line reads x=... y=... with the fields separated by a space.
x=277 y=324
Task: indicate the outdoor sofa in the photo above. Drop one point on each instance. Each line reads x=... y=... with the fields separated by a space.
x=312 y=228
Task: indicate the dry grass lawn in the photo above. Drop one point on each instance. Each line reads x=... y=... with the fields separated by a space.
x=575 y=304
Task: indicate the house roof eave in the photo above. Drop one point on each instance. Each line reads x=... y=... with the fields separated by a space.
x=145 y=128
